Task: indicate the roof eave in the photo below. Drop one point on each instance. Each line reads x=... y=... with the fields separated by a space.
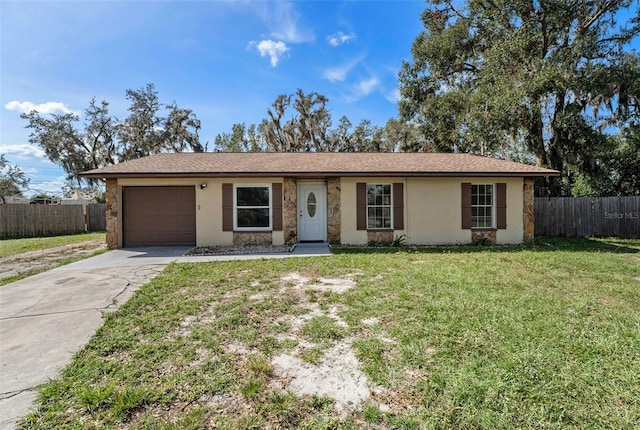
x=113 y=175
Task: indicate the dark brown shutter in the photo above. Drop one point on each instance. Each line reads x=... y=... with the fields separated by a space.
x=227 y=207
x=276 y=189
x=466 y=206
x=361 y=206
x=501 y=203
x=398 y=206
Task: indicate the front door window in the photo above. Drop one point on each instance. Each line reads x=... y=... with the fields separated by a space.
x=311 y=205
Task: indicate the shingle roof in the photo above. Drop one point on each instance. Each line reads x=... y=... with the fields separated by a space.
x=312 y=164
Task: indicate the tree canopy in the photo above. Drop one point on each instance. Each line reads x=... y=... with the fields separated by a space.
x=101 y=139
x=552 y=82
x=12 y=180
x=302 y=122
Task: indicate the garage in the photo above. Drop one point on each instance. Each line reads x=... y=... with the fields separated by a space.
x=156 y=216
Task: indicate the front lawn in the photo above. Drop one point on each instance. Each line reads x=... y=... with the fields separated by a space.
x=546 y=336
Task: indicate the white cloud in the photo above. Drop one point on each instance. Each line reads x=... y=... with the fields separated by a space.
x=46 y=108
x=23 y=150
x=339 y=38
x=53 y=186
x=30 y=170
x=362 y=89
x=393 y=96
x=339 y=73
x=283 y=19
x=366 y=86
x=275 y=50
x=336 y=74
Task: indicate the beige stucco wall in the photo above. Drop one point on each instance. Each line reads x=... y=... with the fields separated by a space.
x=433 y=210
x=208 y=205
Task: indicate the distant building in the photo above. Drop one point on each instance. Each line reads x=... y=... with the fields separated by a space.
x=79 y=194
x=15 y=200
x=45 y=200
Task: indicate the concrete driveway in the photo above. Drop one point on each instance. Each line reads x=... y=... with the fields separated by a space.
x=46 y=318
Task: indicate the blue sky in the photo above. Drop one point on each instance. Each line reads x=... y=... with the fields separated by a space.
x=225 y=60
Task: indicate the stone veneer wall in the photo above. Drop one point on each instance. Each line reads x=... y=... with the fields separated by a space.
x=243 y=238
x=290 y=211
x=482 y=235
x=380 y=237
x=333 y=211
x=111 y=199
x=528 y=215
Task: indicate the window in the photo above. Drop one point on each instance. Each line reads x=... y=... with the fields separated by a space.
x=482 y=206
x=379 y=206
x=253 y=207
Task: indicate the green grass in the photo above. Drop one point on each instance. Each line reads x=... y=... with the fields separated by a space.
x=16 y=246
x=541 y=337
x=323 y=329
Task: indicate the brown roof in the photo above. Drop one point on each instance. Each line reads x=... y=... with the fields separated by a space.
x=313 y=164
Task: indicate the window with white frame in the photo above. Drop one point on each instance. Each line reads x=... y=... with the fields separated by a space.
x=379 y=206
x=482 y=206
x=252 y=207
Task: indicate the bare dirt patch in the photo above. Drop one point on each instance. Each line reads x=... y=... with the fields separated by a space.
x=46 y=259
x=337 y=374
x=337 y=285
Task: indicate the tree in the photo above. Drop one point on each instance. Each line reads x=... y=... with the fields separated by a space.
x=308 y=128
x=181 y=130
x=101 y=140
x=140 y=132
x=366 y=137
x=626 y=163
x=552 y=77
x=144 y=132
x=405 y=136
x=340 y=137
x=75 y=150
x=306 y=131
x=242 y=138
x=12 y=180
x=313 y=121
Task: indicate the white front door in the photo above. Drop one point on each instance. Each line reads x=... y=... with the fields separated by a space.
x=312 y=211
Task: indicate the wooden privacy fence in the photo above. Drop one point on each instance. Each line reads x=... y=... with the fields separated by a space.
x=40 y=220
x=50 y=220
x=96 y=217
x=588 y=216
